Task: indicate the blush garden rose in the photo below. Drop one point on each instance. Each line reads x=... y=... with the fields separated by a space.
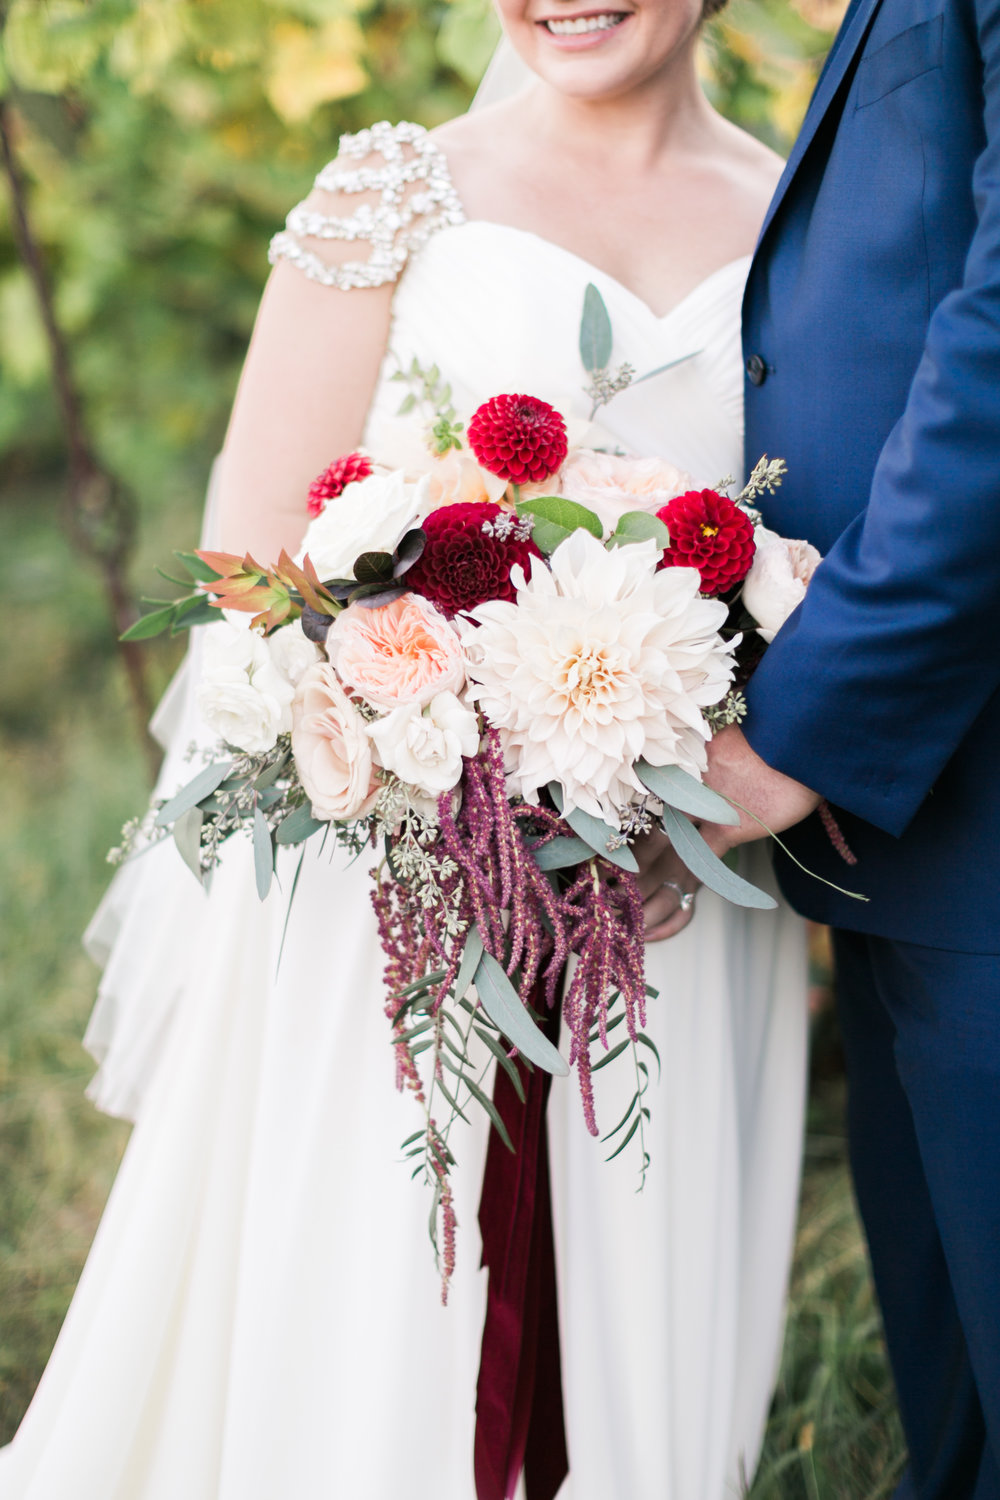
x=403 y=652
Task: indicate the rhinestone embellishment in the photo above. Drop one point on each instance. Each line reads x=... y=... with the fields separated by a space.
x=397 y=224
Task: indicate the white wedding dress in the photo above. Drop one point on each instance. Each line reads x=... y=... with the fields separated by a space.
x=259 y=1318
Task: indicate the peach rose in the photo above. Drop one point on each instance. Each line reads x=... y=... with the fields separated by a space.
x=403 y=652
x=610 y=486
x=331 y=748
x=456 y=478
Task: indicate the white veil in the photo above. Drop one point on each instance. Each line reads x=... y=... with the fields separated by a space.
x=506 y=75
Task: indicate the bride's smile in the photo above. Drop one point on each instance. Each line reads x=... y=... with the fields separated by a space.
x=592 y=51
x=585 y=31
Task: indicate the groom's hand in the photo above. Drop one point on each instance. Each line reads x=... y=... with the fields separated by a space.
x=736 y=771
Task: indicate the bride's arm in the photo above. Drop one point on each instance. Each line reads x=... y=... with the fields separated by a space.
x=302 y=400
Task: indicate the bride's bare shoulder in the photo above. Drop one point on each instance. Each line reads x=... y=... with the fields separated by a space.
x=743 y=155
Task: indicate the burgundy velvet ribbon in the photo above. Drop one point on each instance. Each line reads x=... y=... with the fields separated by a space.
x=519 y=1407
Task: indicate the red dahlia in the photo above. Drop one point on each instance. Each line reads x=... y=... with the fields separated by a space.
x=334 y=480
x=519 y=438
x=468 y=555
x=710 y=533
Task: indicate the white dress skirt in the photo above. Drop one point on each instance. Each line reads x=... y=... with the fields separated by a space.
x=259 y=1316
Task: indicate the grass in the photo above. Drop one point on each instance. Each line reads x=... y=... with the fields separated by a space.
x=71 y=774
x=833 y=1433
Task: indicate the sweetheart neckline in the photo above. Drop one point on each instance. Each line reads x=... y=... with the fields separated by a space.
x=659 y=318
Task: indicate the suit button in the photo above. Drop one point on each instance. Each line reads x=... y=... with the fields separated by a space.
x=756 y=370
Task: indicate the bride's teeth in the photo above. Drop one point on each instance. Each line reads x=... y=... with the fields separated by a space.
x=584 y=23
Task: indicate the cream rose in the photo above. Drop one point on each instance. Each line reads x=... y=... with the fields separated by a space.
x=292 y=652
x=610 y=486
x=778 y=578
x=331 y=749
x=424 y=746
x=242 y=696
x=403 y=652
x=370 y=515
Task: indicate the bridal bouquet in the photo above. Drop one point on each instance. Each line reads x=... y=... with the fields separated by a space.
x=497 y=667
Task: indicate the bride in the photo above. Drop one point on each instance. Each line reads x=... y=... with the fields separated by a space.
x=259 y=1314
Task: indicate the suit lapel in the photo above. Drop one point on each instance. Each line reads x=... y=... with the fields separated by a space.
x=849 y=38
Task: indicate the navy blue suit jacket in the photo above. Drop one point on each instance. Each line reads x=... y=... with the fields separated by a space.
x=873 y=307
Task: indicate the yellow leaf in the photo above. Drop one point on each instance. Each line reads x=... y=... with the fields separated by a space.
x=310 y=66
x=24 y=352
x=825 y=15
x=792 y=102
x=146 y=42
x=50 y=46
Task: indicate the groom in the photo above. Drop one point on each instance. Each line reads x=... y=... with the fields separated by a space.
x=872 y=351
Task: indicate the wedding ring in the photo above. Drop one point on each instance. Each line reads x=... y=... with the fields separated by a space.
x=685 y=899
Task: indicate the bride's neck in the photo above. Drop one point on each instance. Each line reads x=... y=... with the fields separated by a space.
x=637 y=129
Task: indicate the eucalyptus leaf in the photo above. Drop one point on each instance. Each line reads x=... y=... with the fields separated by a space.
x=507 y=1063
x=560 y=853
x=187 y=837
x=503 y=1005
x=270 y=773
x=670 y=365
x=678 y=788
x=471 y=954
x=203 y=785
x=710 y=870
x=594 y=832
x=440 y=1083
x=624 y=1119
x=298 y=826
x=491 y=1110
x=418 y=986
x=610 y=1056
x=634 y=1127
x=595 y=332
x=263 y=853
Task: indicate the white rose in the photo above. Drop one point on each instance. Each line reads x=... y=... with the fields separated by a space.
x=242 y=696
x=424 y=747
x=292 y=652
x=371 y=515
x=331 y=748
x=778 y=578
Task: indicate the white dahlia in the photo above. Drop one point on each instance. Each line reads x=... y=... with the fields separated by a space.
x=602 y=661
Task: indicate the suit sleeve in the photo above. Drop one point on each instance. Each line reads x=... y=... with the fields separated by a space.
x=871 y=686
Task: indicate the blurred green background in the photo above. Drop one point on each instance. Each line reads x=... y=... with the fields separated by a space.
x=158 y=145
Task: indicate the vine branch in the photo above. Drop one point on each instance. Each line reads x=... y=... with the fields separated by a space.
x=100 y=513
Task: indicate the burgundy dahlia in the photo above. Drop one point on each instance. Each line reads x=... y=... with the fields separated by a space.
x=708 y=532
x=334 y=480
x=519 y=438
x=467 y=558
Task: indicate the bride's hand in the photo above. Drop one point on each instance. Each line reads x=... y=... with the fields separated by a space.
x=667 y=887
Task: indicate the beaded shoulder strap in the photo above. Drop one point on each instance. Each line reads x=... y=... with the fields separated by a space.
x=409 y=196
